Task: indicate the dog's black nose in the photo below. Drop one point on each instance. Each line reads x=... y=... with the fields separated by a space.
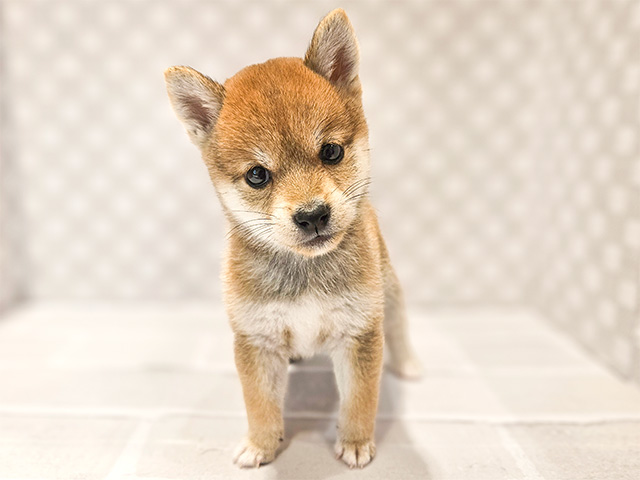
x=314 y=220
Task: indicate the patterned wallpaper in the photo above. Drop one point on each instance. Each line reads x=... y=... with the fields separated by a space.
x=10 y=218
x=588 y=257
x=117 y=204
x=8 y=284
x=504 y=147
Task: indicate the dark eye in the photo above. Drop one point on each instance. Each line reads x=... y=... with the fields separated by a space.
x=257 y=177
x=331 y=153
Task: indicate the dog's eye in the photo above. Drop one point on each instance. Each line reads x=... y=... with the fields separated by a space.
x=331 y=153
x=257 y=177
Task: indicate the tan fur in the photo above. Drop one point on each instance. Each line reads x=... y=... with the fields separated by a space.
x=359 y=395
x=288 y=297
x=263 y=378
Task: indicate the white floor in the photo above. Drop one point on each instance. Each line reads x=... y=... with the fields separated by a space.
x=150 y=392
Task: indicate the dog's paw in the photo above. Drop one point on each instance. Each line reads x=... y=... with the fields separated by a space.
x=355 y=454
x=249 y=455
x=409 y=368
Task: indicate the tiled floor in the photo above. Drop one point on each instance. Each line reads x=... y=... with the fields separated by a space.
x=150 y=392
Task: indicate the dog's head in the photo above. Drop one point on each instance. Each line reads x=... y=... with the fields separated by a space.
x=285 y=141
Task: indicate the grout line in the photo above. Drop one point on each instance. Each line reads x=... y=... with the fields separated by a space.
x=519 y=456
x=512 y=446
x=125 y=465
x=150 y=415
x=199 y=365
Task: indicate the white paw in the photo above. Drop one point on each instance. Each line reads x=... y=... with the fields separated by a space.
x=355 y=454
x=409 y=368
x=248 y=455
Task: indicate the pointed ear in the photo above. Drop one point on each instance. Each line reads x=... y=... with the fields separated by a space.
x=196 y=100
x=334 y=52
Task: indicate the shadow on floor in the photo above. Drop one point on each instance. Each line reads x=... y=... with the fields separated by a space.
x=311 y=409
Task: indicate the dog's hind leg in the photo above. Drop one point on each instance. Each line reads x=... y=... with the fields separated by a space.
x=402 y=359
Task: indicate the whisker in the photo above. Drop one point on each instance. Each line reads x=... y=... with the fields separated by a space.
x=254 y=211
x=358 y=190
x=334 y=190
x=260 y=229
x=356 y=197
x=249 y=232
x=247 y=224
x=259 y=237
x=360 y=187
x=357 y=185
x=346 y=190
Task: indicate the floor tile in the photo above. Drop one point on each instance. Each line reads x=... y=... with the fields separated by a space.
x=63 y=448
x=199 y=448
x=150 y=392
x=115 y=391
x=604 y=451
x=144 y=338
x=570 y=397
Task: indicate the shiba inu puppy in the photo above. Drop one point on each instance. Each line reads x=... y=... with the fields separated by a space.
x=306 y=271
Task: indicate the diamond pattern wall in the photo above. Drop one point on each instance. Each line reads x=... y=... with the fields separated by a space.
x=9 y=248
x=454 y=106
x=504 y=146
x=588 y=261
x=10 y=219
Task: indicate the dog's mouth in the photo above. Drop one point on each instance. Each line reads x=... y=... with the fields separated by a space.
x=319 y=244
x=318 y=241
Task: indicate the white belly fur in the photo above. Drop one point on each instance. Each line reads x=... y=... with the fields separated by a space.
x=315 y=323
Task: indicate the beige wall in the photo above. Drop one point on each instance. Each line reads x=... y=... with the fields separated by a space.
x=10 y=219
x=588 y=255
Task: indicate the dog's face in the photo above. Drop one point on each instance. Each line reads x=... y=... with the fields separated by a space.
x=285 y=142
x=287 y=148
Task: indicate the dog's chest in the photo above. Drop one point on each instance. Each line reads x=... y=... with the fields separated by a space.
x=302 y=326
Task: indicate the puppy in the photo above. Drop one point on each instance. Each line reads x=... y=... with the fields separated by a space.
x=306 y=270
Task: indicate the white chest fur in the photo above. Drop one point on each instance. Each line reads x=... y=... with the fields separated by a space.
x=305 y=325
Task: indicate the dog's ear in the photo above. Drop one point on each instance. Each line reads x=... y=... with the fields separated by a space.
x=196 y=99
x=334 y=52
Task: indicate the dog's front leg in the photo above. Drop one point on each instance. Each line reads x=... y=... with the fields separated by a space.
x=263 y=374
x=358 y=365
